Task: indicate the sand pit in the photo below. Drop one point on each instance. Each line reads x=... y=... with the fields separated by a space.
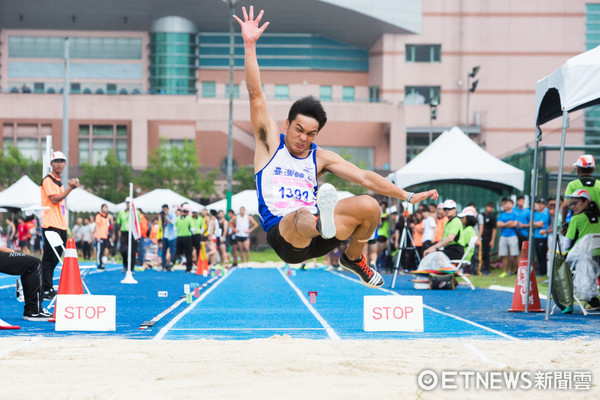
x=277 y=368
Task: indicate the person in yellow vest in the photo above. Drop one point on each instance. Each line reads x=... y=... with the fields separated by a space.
x=53 y=195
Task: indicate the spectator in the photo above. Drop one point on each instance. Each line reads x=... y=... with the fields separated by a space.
x=585 y=165
x=541 y=221
x=524 y=214
x=169 y=239
x=88 y=237
x=244 y=225
x=429 y=225
x=36 y=237
x=28 y=267
x=101 y=234
x=184 y=238
x=77 y=234
x=53 y=196
x=487 y=238
x=441 y=221
x=417 y=232
x=508 y=246
x=221 y=234
x=142 y=242
x=23 y=236
x=197 y=226
x=452 y=233
x=11 y=232
x=468 y=218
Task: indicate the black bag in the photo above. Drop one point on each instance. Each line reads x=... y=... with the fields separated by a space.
x=522 y=238
x=442 y=282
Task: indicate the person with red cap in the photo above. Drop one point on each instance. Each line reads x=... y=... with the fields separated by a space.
x=53 y=196
x=586 y=165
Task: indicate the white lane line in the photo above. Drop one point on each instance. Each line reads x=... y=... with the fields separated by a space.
x=328 y=329
x=512 y=290
x=248 y=329
x=189 y=308
x=58 y=277
x=504 y=335
x=482 y=356
x=19 y=347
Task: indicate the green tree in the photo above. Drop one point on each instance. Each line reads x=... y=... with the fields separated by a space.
x=243 y=179
x=13 y=165
x=177 y=168
x=109 y=179
x=342 y=184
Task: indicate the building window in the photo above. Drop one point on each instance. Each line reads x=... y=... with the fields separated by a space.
x=96 y=141
x=38 y=87
x=282 y=92
x=373 y=94
x=416 y=95
x=111 y=88
x=348 y=93
x=209 y=89
x=325 y=93
x=427 y=53
x=592 y=39
x=75 y=87
x=30 y=139
x=236 y=92
x=79 y=47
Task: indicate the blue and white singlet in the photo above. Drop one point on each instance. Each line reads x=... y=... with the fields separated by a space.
x=285 y=184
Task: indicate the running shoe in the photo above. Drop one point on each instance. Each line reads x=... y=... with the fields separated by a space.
x=43 y=315
x=593 y=304
x=360 y=267
x=326 y=201
x=49 y=294
x=503 y=275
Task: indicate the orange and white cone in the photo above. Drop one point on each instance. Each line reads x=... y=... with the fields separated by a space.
x=518 y=302
x=70 y=276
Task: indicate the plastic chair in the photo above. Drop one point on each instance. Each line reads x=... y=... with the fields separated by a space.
x=463 y=261
x=55 y=241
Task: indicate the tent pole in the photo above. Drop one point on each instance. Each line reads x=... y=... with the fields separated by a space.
x=532 y=197
x=565 y=125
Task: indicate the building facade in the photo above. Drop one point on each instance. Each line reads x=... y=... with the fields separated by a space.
x=379 y=67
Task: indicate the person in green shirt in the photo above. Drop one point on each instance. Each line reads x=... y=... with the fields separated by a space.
x=122 y=223
x=586 y=166
x=197 y=225
x=452 y=234
x=468 y=217
x=184 y=245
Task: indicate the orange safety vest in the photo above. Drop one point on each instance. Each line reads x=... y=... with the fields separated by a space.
x=439 y=229
x=418 y=236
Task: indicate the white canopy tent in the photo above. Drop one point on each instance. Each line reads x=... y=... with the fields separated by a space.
x=152 y=201
x=80 y=200
x=24 y=193
x=574 y=86
x=454 y=157
x=249 y=200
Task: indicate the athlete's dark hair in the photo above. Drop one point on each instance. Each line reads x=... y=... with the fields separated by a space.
x=593 y=209
x=311 y=107
x=586 y=170
x=471 y=221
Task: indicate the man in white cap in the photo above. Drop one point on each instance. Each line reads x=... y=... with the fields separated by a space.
x=450 y=243
x=586 y=166
x=53 y=195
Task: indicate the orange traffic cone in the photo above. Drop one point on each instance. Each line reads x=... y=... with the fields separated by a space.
x=202 y=264
x=518 y=302
x=70 y=276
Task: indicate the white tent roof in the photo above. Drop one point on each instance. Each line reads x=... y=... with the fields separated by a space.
x=80 y=200
x=25 y=193
x=249 y=200
x=455 y=157
x=573 y=86
x=21 y=194
x=152 y=201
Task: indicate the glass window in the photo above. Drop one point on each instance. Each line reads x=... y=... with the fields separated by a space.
x=209 y=89
x=236 y=91
x=325 y=93
x=121 y=130
x=111 y=88
x=100 y=149
x=423 y=53
x=122 y=150
x=75 y=87
x=282 y=92
x=373 y=94
x=84 y=151
x=417 y=95
x=38 y=87
x=348 y=93
x=103 y=130
x=29 y=148
x=104 y=139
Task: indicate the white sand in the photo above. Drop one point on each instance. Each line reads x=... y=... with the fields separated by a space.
x=276 y=368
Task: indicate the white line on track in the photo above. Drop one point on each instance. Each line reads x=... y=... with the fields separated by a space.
x=248 y=329
x=189 y=308
x=328 y=329
x=19 y=347
x=58 y=277
x=504 y=335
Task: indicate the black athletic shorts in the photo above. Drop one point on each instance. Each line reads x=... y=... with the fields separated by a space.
x=318 y=247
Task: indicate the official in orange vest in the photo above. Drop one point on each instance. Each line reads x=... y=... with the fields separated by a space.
x=53 y=195
x=101 y=236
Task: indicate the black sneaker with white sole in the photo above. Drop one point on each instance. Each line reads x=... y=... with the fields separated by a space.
x=43 y=315
x=360 y=267
x=327 y=199
x=49 y=294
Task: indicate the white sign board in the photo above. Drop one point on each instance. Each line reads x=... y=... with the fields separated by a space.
x=393 y=313
x=84 y=312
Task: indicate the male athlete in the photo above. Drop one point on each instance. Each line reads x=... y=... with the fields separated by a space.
x=287 y=168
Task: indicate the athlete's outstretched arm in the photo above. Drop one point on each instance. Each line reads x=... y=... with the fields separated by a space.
x=262 y=123
x=332 y=162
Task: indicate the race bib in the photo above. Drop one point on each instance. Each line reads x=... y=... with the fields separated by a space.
x=290 y=192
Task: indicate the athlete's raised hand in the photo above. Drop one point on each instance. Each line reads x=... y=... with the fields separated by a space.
x=250 y=29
